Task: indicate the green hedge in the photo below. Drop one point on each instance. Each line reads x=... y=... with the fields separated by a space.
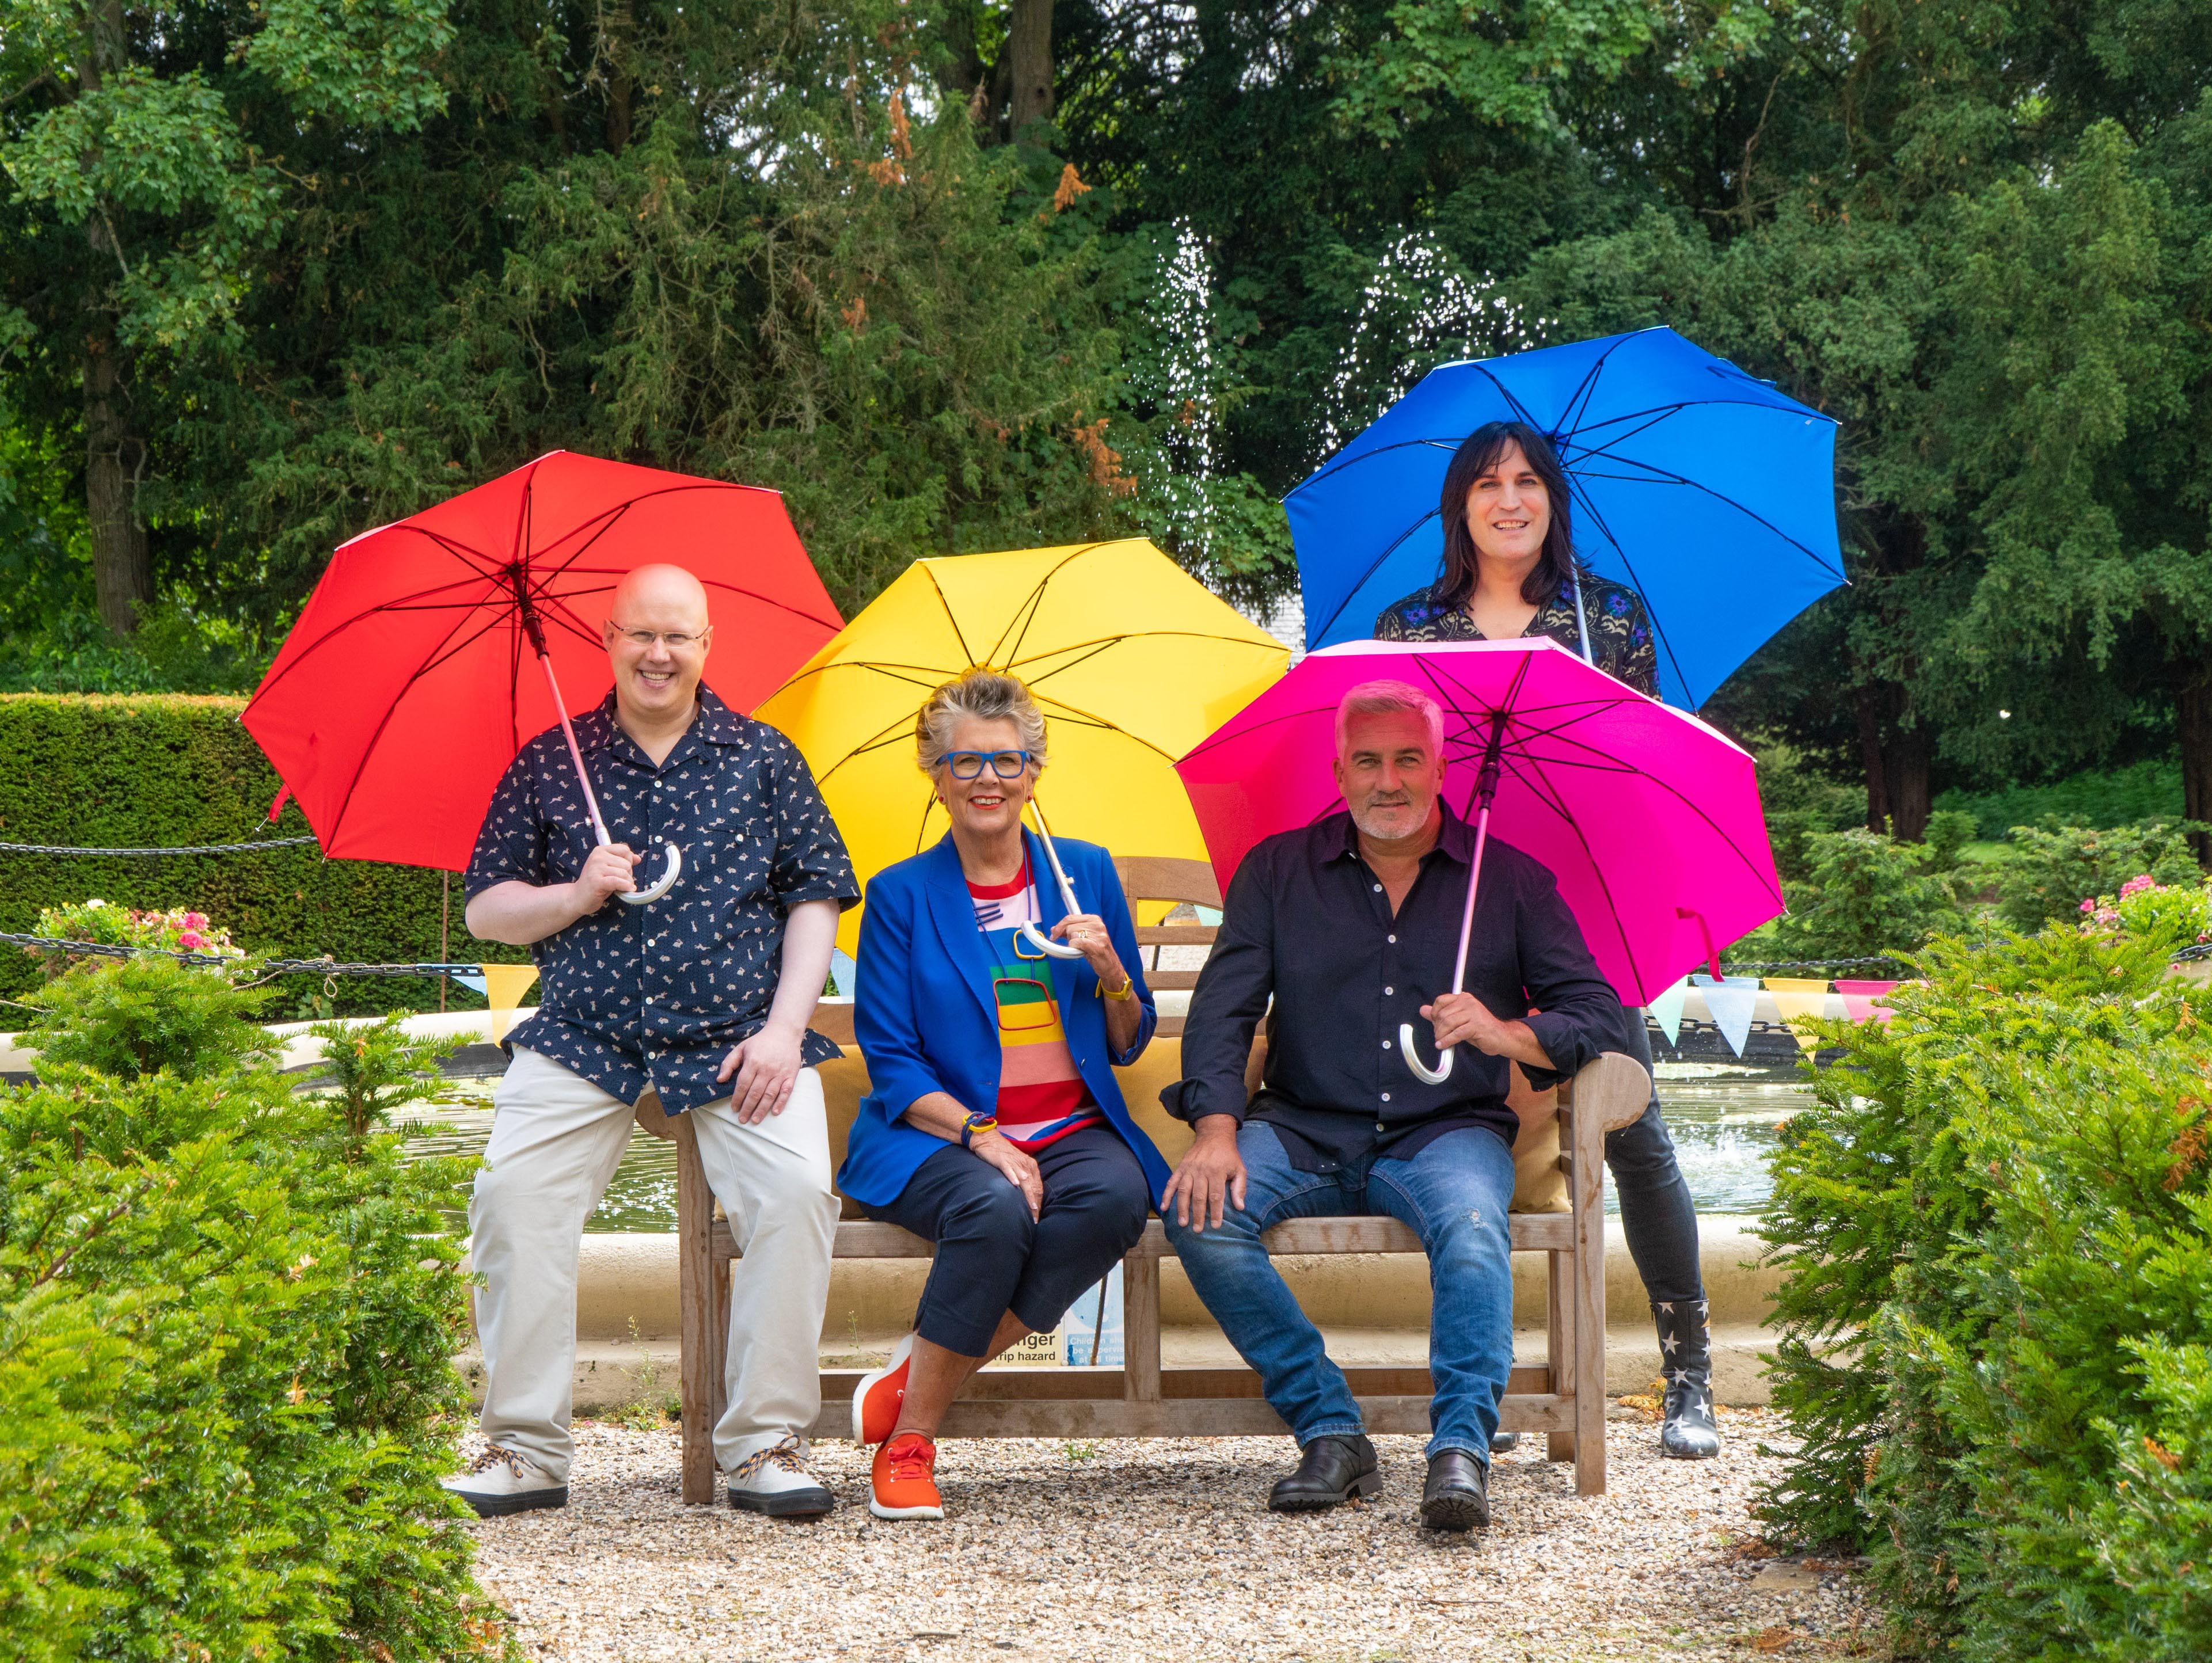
x=1995 y=1338
x=137 y=771
x=227 y=1317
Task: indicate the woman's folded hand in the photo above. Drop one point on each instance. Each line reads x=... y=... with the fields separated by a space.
x=1020 y=1171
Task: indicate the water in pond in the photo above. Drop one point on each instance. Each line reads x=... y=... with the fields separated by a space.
x=1724 y=1119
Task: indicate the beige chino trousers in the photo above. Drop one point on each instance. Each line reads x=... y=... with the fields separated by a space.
x=556 y=1141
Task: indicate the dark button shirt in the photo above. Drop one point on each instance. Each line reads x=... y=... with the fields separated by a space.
x=1622 y=643
x=1307 y=922
x=656 y=995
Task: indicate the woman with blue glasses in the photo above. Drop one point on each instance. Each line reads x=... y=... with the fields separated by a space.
x=994 y=1126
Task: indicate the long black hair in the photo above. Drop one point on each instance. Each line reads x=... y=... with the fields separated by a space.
x=1475 y=458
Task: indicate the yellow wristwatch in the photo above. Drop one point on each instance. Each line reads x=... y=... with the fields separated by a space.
x=1129 y=990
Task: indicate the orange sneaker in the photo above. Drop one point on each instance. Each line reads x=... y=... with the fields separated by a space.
x=880 y=1395
x=903 y=1484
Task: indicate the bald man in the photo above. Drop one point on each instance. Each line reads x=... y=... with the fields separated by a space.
x=701 y=998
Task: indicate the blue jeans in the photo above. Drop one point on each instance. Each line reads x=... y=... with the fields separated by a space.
x=1454 y=1194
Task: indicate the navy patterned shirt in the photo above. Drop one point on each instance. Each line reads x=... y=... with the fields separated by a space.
x=656 y=995
x=1622 y=643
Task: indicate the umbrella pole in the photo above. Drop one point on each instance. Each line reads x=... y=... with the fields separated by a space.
x=1486 y=790
x=537 y=631
x=1030 y=933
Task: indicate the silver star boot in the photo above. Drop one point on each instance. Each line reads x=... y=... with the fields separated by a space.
x=1688 y=1429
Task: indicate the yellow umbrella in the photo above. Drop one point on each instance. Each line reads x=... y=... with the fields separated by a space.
x=1131 y=659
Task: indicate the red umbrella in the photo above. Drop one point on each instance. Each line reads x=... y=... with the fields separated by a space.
x=405 y=689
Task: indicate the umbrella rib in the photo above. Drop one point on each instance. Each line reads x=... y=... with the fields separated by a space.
x=1643 y=594
x=1618 y=766
x=884 y=736
x=445 y=654
x=1794 y=412
x=1329 y=469
x=1228 y=736
x=450 y=544
x=737 y=589
x=362 y=617
x=1612 y=906
x=1110 y=642
x=1093 y=719
x=958 y=634
x=600 y=524
x=1666 y=477
x=919 y=676
x=361 y=765
x=1026 y=614
x=1373 y=567
x=1588 y=391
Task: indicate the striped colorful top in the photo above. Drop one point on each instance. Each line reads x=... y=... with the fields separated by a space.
x=1042 y=1097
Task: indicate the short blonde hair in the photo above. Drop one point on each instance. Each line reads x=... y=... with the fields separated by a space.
x=1387 y=698
x=987 y=695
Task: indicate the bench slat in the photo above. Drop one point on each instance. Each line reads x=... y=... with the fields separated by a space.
x=1176 y=935
x=1531 y=1232
x=1181 y=1418
x=1041 y=1384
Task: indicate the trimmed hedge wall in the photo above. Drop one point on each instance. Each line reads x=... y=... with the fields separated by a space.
x=135 y=771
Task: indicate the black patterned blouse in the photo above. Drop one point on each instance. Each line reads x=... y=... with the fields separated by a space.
x=1621 y=641
x=656 y=995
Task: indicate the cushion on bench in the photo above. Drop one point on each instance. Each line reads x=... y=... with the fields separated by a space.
x=1539 y=1185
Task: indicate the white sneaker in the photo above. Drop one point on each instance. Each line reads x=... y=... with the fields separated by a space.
x=775 y=1481
x=499 y=1481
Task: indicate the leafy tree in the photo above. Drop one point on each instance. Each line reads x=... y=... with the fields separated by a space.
x=149 y=152
x=1867 y=894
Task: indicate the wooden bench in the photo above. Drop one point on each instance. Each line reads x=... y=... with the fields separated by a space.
x=1563 y=1396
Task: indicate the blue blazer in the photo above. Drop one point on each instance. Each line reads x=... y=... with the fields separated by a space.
x=927 y=1018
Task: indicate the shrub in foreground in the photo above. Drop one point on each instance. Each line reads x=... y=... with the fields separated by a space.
x=1998 y=1229
x=226 y=1316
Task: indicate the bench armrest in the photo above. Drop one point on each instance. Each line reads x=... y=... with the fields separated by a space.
x=1614 y=1088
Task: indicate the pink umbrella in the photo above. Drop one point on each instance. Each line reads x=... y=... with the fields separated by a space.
x=1650 y=819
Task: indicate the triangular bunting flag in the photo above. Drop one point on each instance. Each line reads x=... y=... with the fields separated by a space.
x=1859 y=999
x=504 y=986
x=1667 y=1010
x=1730 y=1003
x=1798 y=997
x=475 y=984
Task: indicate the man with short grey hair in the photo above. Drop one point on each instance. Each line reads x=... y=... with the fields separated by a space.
x=700 y=999
x=1351 y=926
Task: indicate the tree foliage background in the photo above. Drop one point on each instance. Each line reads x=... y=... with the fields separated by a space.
x=964 y=274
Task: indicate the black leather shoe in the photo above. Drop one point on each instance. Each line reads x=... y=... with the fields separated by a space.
x=1457 y=1495
x=1330 y=1471
x=1505 y=1443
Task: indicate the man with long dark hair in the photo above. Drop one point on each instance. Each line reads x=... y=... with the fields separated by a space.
x=1509 y=570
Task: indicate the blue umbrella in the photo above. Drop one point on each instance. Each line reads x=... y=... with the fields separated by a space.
x=1708 y=492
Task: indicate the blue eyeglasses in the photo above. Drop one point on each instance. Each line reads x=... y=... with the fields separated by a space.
x=968 y=764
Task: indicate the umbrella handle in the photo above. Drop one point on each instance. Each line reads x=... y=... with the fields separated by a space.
x=1030 y=933
x=663 y=884
x=1407 y=1049
x=1486 y=789
x=1044 y=944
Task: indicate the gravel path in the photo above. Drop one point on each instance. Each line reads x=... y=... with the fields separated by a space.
x=1156 y=1549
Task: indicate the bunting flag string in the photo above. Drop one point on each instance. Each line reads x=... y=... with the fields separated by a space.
x=1731 y=1003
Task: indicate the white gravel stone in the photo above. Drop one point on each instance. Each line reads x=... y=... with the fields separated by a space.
x=1163 y=1550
